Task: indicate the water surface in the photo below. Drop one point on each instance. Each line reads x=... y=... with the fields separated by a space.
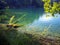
x=34 y=19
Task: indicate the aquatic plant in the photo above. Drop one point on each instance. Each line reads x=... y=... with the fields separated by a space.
x=19 y=18
x=11 y=19
x=15 y=37
x=13 y=23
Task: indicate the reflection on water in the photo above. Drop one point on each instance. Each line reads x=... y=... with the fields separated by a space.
x=45 y=17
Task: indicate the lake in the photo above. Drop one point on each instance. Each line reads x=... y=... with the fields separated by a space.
x=35 y=18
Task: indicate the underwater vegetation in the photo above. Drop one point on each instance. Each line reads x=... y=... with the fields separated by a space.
x=12 y=36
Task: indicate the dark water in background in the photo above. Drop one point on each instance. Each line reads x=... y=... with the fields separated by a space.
x=33 y=19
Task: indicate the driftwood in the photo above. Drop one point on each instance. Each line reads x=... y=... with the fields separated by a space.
x=9 y=26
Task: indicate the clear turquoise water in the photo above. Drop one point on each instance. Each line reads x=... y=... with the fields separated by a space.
x=32 y=19
x=31 y=14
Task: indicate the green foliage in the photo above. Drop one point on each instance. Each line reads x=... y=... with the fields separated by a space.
x=49 y=8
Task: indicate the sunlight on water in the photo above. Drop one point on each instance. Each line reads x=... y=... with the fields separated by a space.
x=46 y=18
x=48 y=25
x=43 y=21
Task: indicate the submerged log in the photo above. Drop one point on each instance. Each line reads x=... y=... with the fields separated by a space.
x=9 y=26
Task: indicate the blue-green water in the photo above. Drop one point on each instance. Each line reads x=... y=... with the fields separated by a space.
x=31 y=14
x=33 y=19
